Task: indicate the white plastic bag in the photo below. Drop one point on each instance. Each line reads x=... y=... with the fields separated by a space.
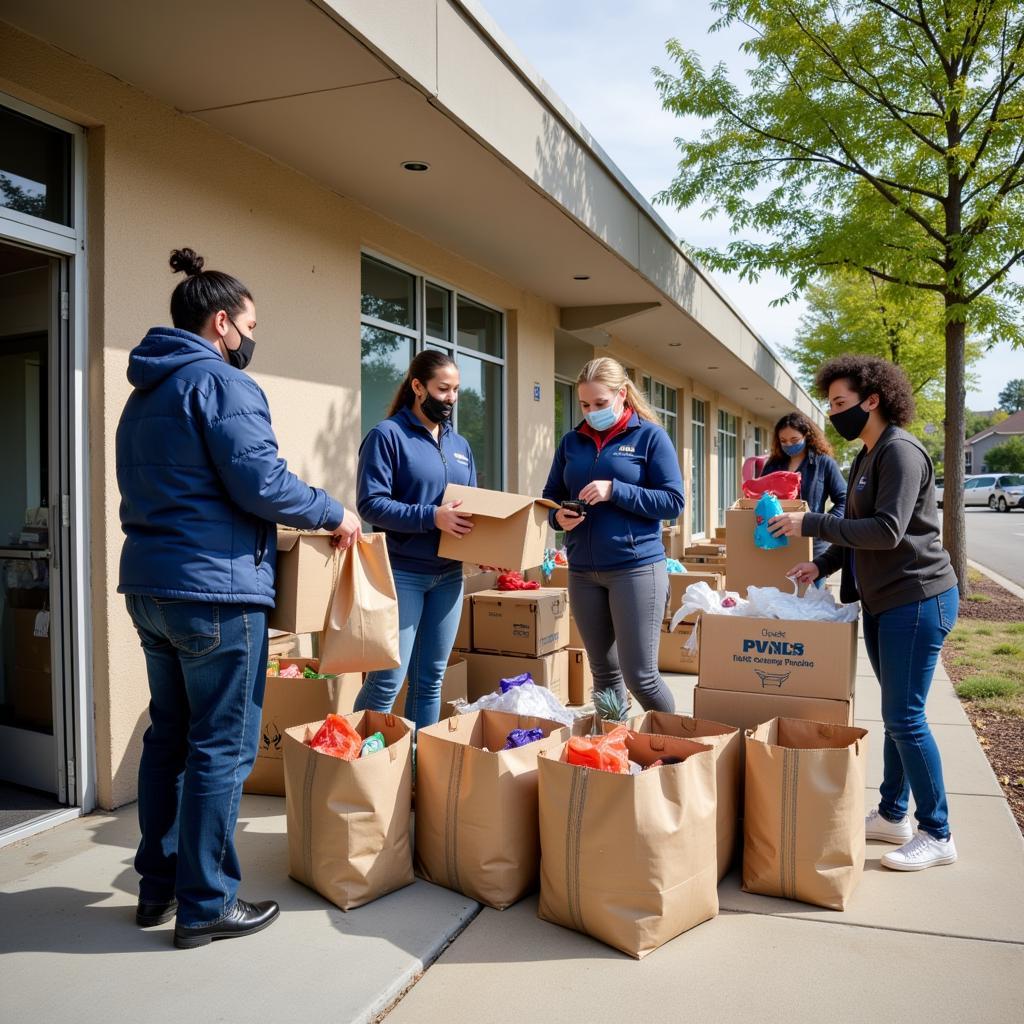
x=699 y=597
x=528 y=699
x=815 y=606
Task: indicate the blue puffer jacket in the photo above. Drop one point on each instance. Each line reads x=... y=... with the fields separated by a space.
x=647 y=487
x=201 y=482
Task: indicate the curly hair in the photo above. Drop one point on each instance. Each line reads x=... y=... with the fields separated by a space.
x=816 y=440
x=871 y=375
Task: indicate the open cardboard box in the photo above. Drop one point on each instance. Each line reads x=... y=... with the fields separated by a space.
x=510 y=531
x=304 y=581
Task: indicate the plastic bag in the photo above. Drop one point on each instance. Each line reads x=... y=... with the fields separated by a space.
x=767 y=508
x=699 y=597
x=527 y=699
x=520 y=737
x=337 y=738
x=514 y=581
x=507 y=684
x=782 y=484
x=815 y=606
x=673 y=565
x=605 y=753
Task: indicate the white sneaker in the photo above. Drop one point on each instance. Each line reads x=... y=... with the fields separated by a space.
x=877 y=827
x=923 y=851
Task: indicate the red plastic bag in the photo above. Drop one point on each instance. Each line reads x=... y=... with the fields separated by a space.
x=337 y=738
x=605 y=753
x=784 y=485
x=514 y=581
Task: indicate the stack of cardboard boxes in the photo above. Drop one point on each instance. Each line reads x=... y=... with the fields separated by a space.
x=706 y=556
x=674 y=653
x=752 y=670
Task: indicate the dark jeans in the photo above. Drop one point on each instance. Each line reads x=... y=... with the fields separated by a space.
x=207 y=666
x=903 y=646
x=429 y=609
x=619 y=616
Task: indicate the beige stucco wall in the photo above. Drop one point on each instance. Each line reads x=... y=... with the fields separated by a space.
x=157 y=180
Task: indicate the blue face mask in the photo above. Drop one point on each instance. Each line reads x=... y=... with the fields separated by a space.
x=602 y=419
x=794 y=449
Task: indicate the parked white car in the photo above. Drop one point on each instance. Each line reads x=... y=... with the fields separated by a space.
x=999 y=491
x=938 y=491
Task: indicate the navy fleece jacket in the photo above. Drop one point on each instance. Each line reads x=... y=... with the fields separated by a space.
x=403 y=473
x=647 y=487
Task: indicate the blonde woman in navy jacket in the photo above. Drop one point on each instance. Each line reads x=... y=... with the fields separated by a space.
x=623 y=466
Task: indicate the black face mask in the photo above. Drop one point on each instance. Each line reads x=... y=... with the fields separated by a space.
x=241 y=357
x=850 y=422
x=435 y=410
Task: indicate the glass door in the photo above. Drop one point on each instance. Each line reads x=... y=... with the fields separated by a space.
x=31 y=654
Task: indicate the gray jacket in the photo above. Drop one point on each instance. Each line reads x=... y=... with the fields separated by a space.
x=888 y=543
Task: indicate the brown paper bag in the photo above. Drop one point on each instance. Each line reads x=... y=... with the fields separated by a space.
x=476 y=809
x=348 y=821
x=727 y=745
x=629 y=859
x=803 y=834
x=361 y=630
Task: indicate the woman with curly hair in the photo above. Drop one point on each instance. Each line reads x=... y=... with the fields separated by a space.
x=798 y=446
x=889 y=549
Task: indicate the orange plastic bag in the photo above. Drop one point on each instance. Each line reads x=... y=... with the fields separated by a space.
x=337 y=738
x=605 y=753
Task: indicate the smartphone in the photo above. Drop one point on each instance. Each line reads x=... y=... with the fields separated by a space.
x=579 y=507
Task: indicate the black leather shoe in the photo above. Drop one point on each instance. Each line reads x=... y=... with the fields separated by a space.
x=242 y=919
x=150 y=913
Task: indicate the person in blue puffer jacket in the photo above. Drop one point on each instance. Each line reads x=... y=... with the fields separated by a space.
x=405 y=464
x=202 y=487
x=621 y=464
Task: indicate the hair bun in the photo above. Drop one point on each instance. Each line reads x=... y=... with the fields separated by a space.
x=186 y=261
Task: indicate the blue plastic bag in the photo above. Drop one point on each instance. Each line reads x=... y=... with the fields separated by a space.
x=768 y=506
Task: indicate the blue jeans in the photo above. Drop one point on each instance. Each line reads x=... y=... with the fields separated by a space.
x=903 y=646
x=429 y=609
x=207 y=666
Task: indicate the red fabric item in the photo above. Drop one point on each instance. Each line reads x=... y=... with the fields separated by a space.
x=605 y=753
x=515 y=581
x=601 y=439
x=337 y=738
x=784 y=485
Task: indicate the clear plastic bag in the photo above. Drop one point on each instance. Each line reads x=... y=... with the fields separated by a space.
x=817 y=605
x=527 y=699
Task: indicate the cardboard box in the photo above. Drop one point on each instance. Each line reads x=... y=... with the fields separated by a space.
x=304 y=582
x=464 y=637
x=679 y=581
x=746 y=710
x=530 y=623
x=575 y=640
x=283 y=645
x=673 y=654
x=31 y=652
x=485 y=671
x=454 y=686
x=581 y=680
x=705 y=549
x=559 y=576
x=720 y=533
x=509 y=530
x=32 y=698
x=747 y=565
x=779 y=656
x=704 y=563
x=290 y=702
x=476 y=580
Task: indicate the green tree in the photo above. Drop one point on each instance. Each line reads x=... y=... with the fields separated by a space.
x=884 y=136
x=1007 y=457
x=1011 y=398
x=976 y=422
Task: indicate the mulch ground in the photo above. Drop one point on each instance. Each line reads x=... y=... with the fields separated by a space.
x=1001 y=736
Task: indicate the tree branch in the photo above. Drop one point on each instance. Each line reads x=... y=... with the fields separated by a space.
x=1014 y=259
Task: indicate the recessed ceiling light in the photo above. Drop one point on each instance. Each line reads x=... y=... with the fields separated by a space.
x=581 y=277
x=712 y=367
x=419 y=166
x=675 y=344
x=744 y=389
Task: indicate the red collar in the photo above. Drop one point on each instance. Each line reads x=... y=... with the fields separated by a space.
x=601 y=438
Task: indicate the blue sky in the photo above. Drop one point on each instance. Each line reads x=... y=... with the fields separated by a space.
x=597 y=55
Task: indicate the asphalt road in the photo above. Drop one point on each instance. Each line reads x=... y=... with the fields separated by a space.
x=996 y=541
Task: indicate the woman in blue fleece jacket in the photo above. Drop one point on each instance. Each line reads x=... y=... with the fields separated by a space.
x=620 y=462
x=405 y=464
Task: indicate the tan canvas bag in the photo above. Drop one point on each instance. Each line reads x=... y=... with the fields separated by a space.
x=803 y=834
x=361 y=630
x=476 y=809
x=348 y=821
x=727 y=745
x=630 y=859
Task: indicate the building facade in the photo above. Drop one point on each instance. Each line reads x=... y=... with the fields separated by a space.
x=384 y=177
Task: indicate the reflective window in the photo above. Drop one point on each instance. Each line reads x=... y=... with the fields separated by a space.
x=388 y=293
x=35 y=168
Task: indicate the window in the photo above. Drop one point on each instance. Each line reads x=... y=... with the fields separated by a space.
x=728 y=469
x=699 y=469
x=662 y=400
x=565 y=408
x=760 y=441
x=35 y=168
x=402 y=314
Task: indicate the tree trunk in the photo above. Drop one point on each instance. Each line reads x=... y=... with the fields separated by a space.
x=954 y=527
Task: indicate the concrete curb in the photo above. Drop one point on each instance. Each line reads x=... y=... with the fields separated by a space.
x=1006 y=584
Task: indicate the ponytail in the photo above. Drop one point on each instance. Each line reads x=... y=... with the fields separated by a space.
x=611 y=373
x=423 y=368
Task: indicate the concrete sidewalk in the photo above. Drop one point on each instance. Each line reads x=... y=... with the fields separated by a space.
x=946 y=941
x=939 y=945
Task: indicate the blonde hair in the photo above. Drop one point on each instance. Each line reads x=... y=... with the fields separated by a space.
x=612 y=374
